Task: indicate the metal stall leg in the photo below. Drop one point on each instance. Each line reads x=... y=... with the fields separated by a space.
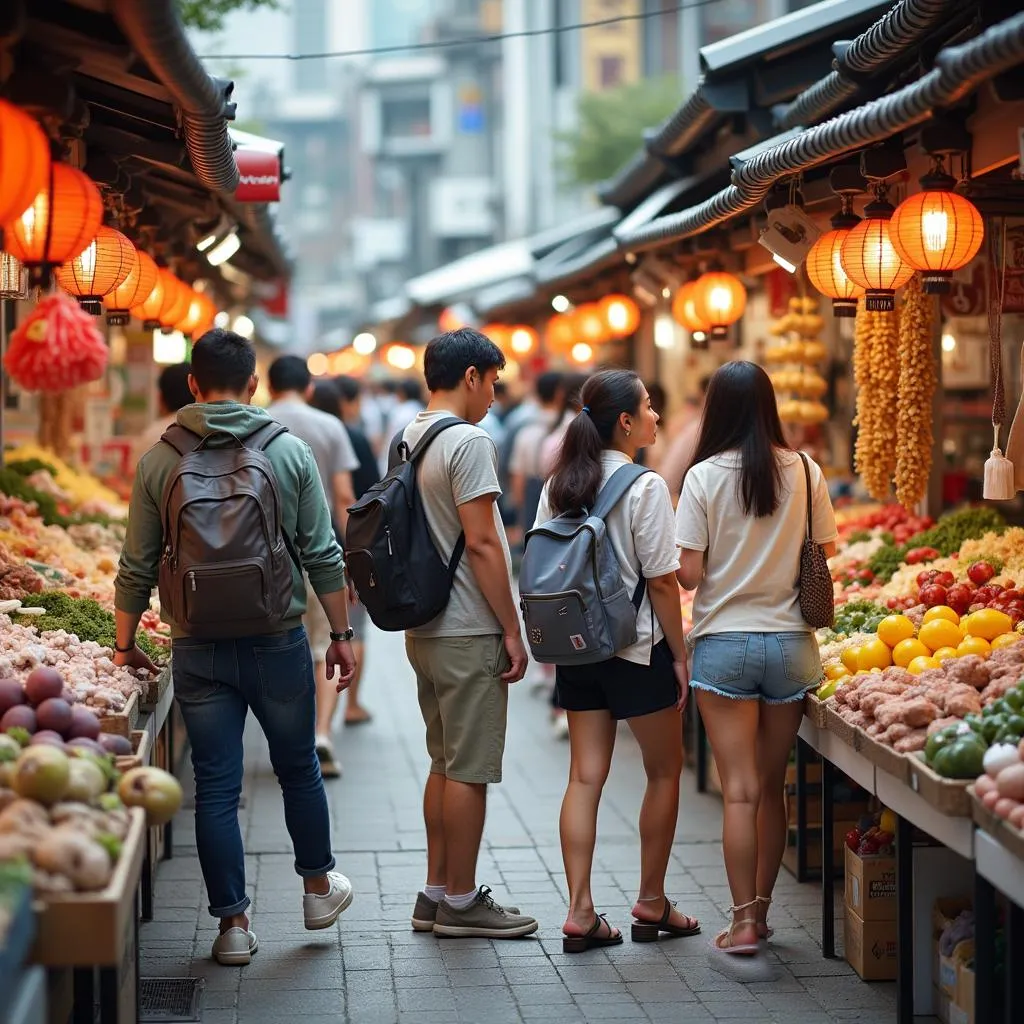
x=1014 y=1009
x=904 y=921
x=984 y=949
x=800 y=764
x=172 y=768
x=828 y=868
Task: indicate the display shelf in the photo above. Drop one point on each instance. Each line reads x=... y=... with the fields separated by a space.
x=124 y=721
x=15 y=944
x=997 y=865
x=847 y=760
x=955 y=832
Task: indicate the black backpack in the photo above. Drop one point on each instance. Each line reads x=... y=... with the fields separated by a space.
x=402 y=580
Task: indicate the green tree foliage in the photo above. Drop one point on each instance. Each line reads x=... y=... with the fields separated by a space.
x=209 y=15
x=611 y=127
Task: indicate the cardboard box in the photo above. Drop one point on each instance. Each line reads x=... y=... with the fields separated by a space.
x=870 y=947
x=962 y=1010
x=871 y=886
x=941 y=1005
x=839 y=830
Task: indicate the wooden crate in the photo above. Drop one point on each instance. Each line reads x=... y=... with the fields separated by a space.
x=124 y=721
x=154 y=689
x=93 y=929
x=141 y=746
x=947 y=796
x=881 y=755
x=841 y=728
x=815 y=709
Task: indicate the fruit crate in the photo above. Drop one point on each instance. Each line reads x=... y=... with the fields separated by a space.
x=94 y=929
x=947 y=796
x=841 y=728
x=124 y=722
x=154 y=689
x=881 y=755
x=141 y=746
x=815 y=710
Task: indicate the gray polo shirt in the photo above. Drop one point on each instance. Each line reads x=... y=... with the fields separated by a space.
x=324 y=433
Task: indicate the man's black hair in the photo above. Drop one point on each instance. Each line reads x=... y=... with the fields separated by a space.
x=548 y=386
x=289 y=373
x=450 y=355
x=348 y=387
x=411 y=390
x=223 y=361
x=173 y=385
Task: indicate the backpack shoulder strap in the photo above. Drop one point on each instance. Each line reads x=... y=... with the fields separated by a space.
x=616 y=488
x=181 y=439
x=260 y=439
x=400 y=452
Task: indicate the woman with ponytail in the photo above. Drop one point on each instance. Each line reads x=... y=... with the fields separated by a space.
x=645 y=684
x=742 y=520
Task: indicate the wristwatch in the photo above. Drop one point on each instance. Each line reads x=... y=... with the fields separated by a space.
x=342 y=637
x=125 y=650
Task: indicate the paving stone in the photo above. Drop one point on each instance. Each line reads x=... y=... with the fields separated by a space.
x=373 y=969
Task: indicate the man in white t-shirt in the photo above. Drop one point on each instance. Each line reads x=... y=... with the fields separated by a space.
x=524 y=468
x=172 y=385
x=291 y=386
x=465 y=658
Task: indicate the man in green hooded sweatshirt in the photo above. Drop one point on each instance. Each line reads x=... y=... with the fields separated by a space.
x=217 y=682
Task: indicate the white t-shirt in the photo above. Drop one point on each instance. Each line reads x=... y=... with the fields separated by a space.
x=460 y=465
x=526 y=449
x=641 y=531
x=752 y=565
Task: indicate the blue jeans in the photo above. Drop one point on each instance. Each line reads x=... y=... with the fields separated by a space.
x=215 y=684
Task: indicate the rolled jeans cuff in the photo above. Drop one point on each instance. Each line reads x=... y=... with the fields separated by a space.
x=315 y=872
x=237 y=908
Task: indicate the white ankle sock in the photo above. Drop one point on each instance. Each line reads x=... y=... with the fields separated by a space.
x=461 y=902
x=434 y=892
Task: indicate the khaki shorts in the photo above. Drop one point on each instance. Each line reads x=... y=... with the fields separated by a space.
x=464 y=703
x=318 y=628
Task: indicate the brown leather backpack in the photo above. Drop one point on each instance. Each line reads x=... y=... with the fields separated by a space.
x=226 y=567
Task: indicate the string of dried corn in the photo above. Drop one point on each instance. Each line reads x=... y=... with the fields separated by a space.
x=917 y=383
x=876 y=373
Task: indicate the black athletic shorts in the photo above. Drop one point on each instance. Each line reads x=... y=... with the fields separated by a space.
x=622 y=688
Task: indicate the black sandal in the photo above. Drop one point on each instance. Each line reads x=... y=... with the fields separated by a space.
x=591 y=940
x=647 y=931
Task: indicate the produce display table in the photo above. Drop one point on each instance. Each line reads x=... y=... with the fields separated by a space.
x=96 y=935
x=917 y=798
x=15 y=944
x=158 y=726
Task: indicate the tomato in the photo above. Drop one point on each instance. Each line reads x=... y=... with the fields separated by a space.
x=934 y=594
x=980 y=572
x=918 y=555
x=924 y=578
x=945 y=579
x=986 y=594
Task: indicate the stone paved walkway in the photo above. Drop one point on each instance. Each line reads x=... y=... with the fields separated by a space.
x=372 y=969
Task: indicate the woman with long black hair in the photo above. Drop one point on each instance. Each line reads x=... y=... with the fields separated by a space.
x=645 y=684
x=741 y=522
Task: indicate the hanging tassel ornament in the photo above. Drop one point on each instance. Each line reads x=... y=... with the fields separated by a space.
x=999 y=483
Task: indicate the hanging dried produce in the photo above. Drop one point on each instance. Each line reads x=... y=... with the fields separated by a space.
x=876 y=373
x=917 y=382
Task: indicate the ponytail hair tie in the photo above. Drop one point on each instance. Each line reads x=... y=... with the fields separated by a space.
x=586 y=409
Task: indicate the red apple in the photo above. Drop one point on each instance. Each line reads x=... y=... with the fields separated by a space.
x=980 y=572
x=932 y=595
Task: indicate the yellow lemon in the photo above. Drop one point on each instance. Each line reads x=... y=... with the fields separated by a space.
x=849 y=658
x=836 y=671
x=941 y=611
x=1005 y=640
x=919 y=665
x=988 y=623
x=894 y=628
x=944 y=653
x=907 y=650
x=874 y=654
x=940 y=633
x=974 y=645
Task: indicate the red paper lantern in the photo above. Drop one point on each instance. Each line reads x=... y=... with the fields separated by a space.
x=56 y=347
x=132 y=291
x=98 y=269
x=621 y=315
x=937 y=231
x=684 y=310
x=24 y=161
x=719 y=299
x=59 y=223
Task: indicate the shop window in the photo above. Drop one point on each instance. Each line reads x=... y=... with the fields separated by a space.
x=611 y=72
x=406 y=118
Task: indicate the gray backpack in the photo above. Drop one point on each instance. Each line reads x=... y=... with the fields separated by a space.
x=575 y=605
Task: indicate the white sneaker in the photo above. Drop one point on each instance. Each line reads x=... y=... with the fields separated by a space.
x=323 y=911
x=560 y=727
x=235 y=947
x=330 y=766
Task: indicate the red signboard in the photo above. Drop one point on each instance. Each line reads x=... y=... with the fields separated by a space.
x=260 y=175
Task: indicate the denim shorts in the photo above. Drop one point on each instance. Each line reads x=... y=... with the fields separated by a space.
x=777 y=668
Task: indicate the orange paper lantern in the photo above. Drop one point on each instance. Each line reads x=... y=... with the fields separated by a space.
x=59 y=223
x=826 y=274
x=200 y=312
x=936 y=232
x=498 y=333
x=178 y=296
x=871 y=261
x=684 y=310
x=719 y=299
x=560 y=333
x=590 y=324
x=24 y=161
x=621 y=315
x=522 y=340
x=134 y=289
x=98 y=269
x=149 y=310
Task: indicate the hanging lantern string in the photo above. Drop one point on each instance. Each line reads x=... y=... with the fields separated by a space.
x=997 y=242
